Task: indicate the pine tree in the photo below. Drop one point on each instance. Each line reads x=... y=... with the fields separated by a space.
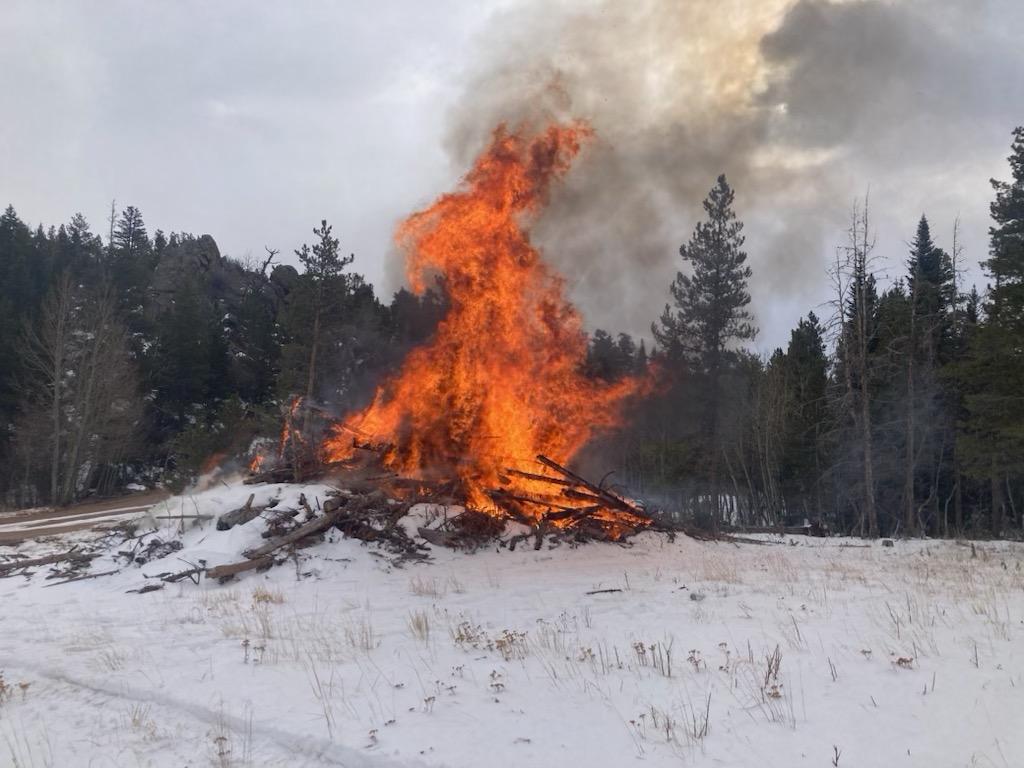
x=131 y=265
x=191 y=359
x=601 y=356
x=323 y=286
x=710 y=306
x=931 y=287
x=928 y=428
x=806 y=374
x=994 y=372
x=130 y=240
x=709 y=313
x=23 y=284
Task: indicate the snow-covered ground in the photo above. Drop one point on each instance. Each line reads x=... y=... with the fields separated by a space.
x=798 y=652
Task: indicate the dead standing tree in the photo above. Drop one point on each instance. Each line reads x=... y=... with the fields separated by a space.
x=80 y=374
x=45 y=353
x=854 y=302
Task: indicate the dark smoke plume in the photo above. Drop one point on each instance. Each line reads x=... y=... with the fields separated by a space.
x=800 y=102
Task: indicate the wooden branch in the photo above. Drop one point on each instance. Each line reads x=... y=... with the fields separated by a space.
x=500 y=495
x=572 y=493
x=71 y=554
x=578 y=513
x=176 y=577
x=612 y=500
x=83 y=578
x=540 y=478
x=144 y=589
x=271 y=253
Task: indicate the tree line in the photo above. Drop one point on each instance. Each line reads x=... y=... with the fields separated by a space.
x=137 y=358
x=898 y=410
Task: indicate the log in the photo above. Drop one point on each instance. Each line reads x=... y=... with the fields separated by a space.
x=224 y=572
x=437 y=538
x=239 y=516
x=318 y=524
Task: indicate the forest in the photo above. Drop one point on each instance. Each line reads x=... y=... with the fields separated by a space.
x=134 y=357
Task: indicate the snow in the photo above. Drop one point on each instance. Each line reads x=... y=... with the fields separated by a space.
x=498 y=658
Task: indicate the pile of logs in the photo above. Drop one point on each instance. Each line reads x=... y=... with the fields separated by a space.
x=62 y=565
x=575 y=505
x=573 y=508
x=369 y=517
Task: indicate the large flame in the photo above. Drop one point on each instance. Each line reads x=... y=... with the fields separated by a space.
x=501 y=381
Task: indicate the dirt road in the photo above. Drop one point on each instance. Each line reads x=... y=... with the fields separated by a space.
x=19 y=526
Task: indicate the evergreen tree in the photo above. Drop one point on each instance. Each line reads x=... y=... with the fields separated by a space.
x=806 y=376
x=928 y=412
x=131 y=264
x=709 y=315
x=191 y=366
x=994 y=374
x=710 y=305
x=930 y=283
x=24 y=278
x=130 y=239
x=323 y=271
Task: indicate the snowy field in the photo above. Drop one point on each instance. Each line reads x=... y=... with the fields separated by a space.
x=797 y=652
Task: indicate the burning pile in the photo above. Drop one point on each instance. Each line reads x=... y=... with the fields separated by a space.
x=501 y=382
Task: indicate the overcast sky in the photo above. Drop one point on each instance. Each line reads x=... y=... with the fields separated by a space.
x=251 y=121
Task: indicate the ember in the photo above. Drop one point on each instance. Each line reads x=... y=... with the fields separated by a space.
x=501 y=381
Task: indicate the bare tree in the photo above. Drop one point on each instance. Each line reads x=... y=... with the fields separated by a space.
x=45 y=355
x=81 y=375
x=853 y=282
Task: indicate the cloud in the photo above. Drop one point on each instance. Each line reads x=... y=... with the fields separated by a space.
x=254 y=121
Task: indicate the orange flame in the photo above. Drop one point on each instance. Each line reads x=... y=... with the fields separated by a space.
x=501 y=380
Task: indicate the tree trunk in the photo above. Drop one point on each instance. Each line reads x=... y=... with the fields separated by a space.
x=909 y=510
x=307 y=419
x=997 y=504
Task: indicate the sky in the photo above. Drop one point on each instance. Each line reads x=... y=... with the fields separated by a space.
x=251 y=121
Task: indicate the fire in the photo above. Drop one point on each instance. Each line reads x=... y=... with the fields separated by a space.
x=501 y=381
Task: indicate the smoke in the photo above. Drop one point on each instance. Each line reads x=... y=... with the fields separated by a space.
x=798 y=102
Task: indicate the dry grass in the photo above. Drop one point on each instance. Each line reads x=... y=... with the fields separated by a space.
x=264 y=595
x=424 y=587
x=419 y=626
